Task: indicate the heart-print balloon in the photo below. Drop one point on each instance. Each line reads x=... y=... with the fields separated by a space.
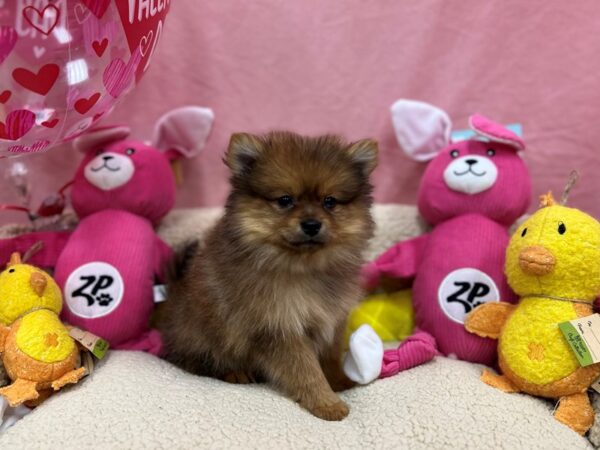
x=83 y=105
x=97 y=7
x=49 y=123
x=118 y=75
x=37 y=147
x=45 y=20
x=8 y=39
x=40 y=82
x=18 y=123
x=99 y=47
x=4 y=96
x=66 y=64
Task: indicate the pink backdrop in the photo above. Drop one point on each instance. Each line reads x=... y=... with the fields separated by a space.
x=319 y=66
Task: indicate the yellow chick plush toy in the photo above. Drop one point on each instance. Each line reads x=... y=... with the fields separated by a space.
x=38 y=353
x=553 y=264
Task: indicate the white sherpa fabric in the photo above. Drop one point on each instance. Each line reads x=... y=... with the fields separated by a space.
x=134 y=400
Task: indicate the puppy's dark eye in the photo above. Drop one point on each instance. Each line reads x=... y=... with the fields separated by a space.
x=491 y=152
x=130 y=151
x=329 y=202
x=99 y=151
x=454 y=153
x=285 y=201
x=524 y=232
x=562 y=228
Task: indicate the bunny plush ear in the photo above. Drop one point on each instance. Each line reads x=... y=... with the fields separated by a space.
x=422 y=130
x=495 y=132
x=100 y=136
x=183 y=131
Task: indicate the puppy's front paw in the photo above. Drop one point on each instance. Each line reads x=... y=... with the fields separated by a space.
x=335 y=411
x=239 y=378
x=342 y=383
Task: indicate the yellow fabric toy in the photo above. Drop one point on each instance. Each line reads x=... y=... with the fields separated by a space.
x=390 y=315
x=38 y=353
x=553 y=264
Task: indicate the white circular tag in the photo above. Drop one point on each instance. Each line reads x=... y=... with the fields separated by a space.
x=463 y=290
x=94 y=290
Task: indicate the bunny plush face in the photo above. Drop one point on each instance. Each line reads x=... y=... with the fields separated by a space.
x=475 y=177
x=483 y=175
x=126 y=175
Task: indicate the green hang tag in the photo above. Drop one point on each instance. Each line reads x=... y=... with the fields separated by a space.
x=96 y=345
x=581 y=338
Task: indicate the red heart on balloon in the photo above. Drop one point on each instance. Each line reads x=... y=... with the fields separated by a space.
x=83 y=105
x=118 y=75
x=49 y=123
x=98 y=7
x=8 y=39
x=34 y=148
x=4 y=96
x=40 y=82
x=18 y=123
x=99 y=47
x=45 y=20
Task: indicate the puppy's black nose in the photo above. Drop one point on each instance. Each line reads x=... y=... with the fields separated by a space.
x=107 y=158
x=310 y=227
x=470 y=162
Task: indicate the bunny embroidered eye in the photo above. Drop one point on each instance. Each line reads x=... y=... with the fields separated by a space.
x=130 y=151
x=491 y=152
x=562 y=228
x=454 y=153
x=524 y=232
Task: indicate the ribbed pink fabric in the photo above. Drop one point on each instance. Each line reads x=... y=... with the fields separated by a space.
x=413 y=351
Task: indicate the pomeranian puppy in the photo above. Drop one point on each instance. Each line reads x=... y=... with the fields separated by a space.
x=268 y=294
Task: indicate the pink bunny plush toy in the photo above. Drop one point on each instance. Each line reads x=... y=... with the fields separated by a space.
x=109 y=264
x=471 y=192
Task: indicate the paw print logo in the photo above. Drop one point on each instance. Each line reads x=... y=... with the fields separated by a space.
x=104 y=299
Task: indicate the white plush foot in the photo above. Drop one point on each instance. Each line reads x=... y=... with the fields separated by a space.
x=9 y=416
x=363 y=360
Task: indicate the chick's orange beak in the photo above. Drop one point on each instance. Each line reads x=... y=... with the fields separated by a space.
x=38 y=283
x=536 y=261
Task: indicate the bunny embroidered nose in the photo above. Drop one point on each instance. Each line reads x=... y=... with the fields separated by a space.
x=38 y=283
x=107 y=158
x=471 y=161
x=536 y=261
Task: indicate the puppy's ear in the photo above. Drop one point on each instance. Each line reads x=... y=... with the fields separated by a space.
x=244 y=149
x=364 y=152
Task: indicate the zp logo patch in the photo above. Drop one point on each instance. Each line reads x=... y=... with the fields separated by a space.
x=463 y=290
x=94 y=290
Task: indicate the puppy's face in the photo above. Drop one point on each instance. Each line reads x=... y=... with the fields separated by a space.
x=301 y=195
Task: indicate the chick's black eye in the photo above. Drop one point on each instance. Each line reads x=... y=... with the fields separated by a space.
x=285 y=201
x=130 y=151
x=329 y=202
x=524 y=232
x=491 y=152
x=11 y=270
x=454 y=153
x=562 y=228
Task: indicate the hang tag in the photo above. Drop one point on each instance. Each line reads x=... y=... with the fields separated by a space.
x=596 y=385
x=160 y=293
x=583 y=336
x=96 y=345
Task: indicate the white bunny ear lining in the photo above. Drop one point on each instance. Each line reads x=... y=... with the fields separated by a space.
x=100 y=136
x=184 y=130
x=422 y=130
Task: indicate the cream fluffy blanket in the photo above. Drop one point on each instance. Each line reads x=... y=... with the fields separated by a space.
x=134 y=400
